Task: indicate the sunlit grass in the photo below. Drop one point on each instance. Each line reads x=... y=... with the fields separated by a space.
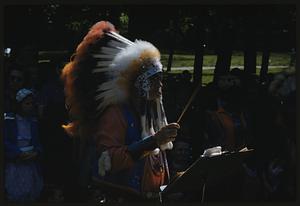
x=186 y=60
x=207 y=74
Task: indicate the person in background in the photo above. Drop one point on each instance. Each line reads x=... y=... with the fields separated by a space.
x=276 y=138
x=227 y=126
x=181 y=156
x=22 y=149
x=15 y=82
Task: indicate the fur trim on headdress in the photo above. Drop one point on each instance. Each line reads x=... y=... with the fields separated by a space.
x=123 y=70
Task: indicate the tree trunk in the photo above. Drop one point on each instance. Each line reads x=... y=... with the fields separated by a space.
x=223 y=61
x=198 y=65
x=267 y=33
x=172 y=39
x=224 y=53
x=250 y=58
x=199 y=39
x=249 y=46
x=264 y=64
x=170 y=59
x=225 y=41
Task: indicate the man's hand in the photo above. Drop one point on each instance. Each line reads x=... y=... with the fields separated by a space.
x=104 y=163
x=166 y=134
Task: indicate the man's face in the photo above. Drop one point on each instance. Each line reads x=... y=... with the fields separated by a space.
x=155 y=86
x=16 y=79
x=182 y=152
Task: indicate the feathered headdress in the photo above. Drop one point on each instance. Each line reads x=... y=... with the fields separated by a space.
x=103 y=71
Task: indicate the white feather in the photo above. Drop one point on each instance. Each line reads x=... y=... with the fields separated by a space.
x=103 y=63
x=103 y=69
x=119 y=37
x=117 y=44
x=103 y=56
x=109 y=50
x=111 y=95
x=106 y=85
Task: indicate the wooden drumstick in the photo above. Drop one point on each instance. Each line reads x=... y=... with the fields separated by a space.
x=189 y=102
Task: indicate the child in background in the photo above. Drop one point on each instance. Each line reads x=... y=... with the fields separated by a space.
x=23 y=178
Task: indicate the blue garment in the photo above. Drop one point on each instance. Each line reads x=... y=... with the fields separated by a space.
x=11 y=150
x=131 y=178
x=24 y=128
x=23 y=179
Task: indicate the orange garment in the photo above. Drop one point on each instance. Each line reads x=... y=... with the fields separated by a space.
x=230 y=142
x=111 y=134
x=228 y=126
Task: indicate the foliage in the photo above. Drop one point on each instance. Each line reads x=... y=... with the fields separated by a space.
x=168 y=20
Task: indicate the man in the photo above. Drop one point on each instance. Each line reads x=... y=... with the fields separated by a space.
x=181 y=156
x=113 y=93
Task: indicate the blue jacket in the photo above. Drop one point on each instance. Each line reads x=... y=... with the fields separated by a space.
x=11 y=149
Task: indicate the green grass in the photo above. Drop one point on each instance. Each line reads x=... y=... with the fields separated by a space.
x=178 y=60
x=185 y=60
x=277 y=59
x=207 y=75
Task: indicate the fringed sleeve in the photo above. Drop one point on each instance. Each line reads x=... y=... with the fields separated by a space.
x=110 y=134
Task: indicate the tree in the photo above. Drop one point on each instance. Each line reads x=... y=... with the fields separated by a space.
x=225 y=40
x=200 y=38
